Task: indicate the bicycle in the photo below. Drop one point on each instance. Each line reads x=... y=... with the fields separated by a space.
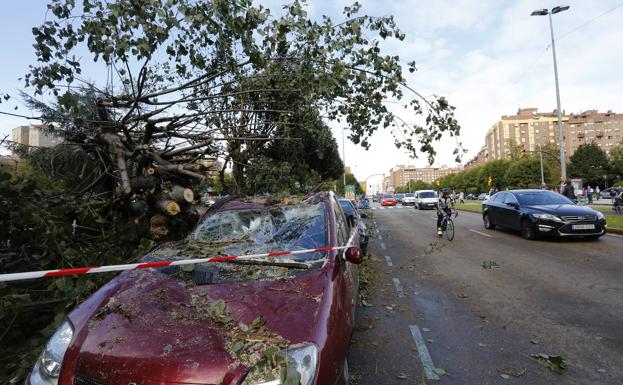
x=447 y=224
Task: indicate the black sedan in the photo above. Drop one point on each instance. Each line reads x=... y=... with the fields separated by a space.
x=542 y=213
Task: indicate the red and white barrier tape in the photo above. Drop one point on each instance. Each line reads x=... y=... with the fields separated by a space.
x=147 y=265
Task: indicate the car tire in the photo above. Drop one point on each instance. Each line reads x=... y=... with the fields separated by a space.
x=487 y=221
x=527 y=230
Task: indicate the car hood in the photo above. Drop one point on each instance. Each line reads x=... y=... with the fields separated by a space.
x=151 y=328
x=428 y=200
x=563 y=210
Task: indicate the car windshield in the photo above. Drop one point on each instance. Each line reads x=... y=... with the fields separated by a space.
x=428 y=194
x=277 y=228
x=409 y=195
x=539 y=198
x=347 y=207
x=388 y=197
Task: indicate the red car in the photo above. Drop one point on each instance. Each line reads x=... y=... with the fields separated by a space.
x=233 y=323
x=388 y=200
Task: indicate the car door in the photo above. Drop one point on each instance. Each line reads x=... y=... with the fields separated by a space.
x=348 y=270
x=510 y=212
x=493 y=209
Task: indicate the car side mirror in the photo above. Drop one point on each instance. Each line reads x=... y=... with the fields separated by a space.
x=353 y=255
x=514 y=205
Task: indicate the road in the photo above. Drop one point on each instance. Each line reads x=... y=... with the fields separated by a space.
x=479 y=326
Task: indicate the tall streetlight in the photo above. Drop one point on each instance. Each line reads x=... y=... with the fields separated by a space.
x=344 y=158
x=544 y=12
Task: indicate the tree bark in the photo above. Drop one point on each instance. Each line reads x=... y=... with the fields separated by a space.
x=168 y=207
x=182 y=194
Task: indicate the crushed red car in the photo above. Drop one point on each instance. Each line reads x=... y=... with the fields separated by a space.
x=262 y=321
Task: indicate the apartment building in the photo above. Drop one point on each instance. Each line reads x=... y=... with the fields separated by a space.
x=481 y=158
x=530 y=129
x=34 y=136
x=401 y=175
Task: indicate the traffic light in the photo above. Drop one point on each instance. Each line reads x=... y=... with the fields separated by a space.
x=489 y=181
x=522 y=153
x=438 y=182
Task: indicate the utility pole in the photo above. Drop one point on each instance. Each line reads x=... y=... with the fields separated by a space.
x=344 y=158
x=541 y=158
x=549 y=13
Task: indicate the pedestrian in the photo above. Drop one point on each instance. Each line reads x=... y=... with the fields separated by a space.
x=589 y=194
x=567 y=190
x=597 y=191
x=462 y=197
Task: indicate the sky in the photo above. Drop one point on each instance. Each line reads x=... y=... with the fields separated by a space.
x=487 y=57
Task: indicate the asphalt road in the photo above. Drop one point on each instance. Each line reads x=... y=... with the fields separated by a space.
x=480 y=326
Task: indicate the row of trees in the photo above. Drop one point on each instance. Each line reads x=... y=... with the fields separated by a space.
x=589 y=162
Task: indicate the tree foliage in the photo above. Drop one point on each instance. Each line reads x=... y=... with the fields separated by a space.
x=590 y=163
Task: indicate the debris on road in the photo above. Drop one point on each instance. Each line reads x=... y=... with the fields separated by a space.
x=557 y=364
x=402 y=376
x=506 y=373
x=441 y=372
x=461 y=295
x=487 y=264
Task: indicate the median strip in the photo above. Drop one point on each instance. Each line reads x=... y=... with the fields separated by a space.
x=398 y=286
x=427 y=362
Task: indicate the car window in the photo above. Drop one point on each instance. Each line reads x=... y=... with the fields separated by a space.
x=536 y=198
x=428 y=194
x=509 y=198
x=276 y=228
x=348 y=208
x=497 y=197
x=388 y=196
x=410 y=195
x=341 y=226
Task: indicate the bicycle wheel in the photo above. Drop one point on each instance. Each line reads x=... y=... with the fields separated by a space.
x=450 y=229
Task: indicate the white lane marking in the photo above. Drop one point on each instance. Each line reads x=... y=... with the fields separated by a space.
x=427 y=362
x=380 y=237
x=398 y=286
x=483 y=234
x=373 y=208
x=389 y=261
x=383 y=246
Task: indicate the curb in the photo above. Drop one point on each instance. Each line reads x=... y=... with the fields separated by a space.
x=611 y=230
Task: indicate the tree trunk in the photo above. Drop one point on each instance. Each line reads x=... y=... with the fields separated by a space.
x=168 y=207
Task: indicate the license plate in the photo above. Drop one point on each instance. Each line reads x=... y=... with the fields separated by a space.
x=583 y=227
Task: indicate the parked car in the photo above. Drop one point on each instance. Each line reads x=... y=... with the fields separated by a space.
x=354 y=219
x=607 y=193
x=388 y=200
x=409 y=199
x=425 y=199
x=399 y=197
x=363 y=204
x=376 y=198
x=229 y=323
x=542 y=213
x=471 y=196
x=483 y=196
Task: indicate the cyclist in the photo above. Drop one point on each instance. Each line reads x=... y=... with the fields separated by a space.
x=444 y=205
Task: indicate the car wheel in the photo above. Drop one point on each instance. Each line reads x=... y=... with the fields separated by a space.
x=345 y=377
x=527 y=230
x=487 y=221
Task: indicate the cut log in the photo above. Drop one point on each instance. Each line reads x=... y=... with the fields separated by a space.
x=168 y=207
x=182 y=194
x=158 y=226
x=150 y=171
x=143 y=182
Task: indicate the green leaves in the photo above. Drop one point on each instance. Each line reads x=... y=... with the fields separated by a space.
x=556 y=364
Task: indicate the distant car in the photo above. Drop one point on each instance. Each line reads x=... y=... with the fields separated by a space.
x=542 y=213
x=178 y=325
x=425 y=199
x=471 y=197
x=483 y=196
x=399 y=197
x=354 y=218
x=376 y=198
x=363 y=204
x=409 y=199
x=388 y=200
x=607 y=193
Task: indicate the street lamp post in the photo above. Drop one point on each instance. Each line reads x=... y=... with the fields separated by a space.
x=543 y=12
x=344 y=158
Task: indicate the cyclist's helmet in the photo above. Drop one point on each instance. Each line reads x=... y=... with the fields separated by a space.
x=445 y=191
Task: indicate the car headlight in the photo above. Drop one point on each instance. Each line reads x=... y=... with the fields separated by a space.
x=600 y=215
x=48 y=367
x=548 y=217
x=302 y=358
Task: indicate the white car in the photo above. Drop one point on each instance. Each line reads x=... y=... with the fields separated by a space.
x=426 y=199
x=409 y=199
